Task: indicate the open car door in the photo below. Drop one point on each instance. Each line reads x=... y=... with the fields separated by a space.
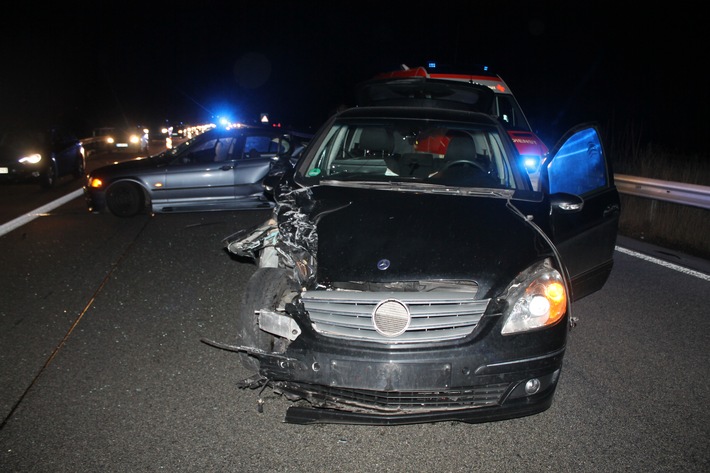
x=585 y=234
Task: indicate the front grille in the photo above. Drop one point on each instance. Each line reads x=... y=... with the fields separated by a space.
x=433 y=316
x=400 y=401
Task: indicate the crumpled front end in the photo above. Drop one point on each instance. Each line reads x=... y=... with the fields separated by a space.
x=287 y=240
x=386 y=349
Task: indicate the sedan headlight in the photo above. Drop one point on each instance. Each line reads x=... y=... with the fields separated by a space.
x=536 y=299
x=31 y=159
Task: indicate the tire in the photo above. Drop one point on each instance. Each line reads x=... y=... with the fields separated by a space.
x=49 y=178
x=125 y=199
x=268 y=287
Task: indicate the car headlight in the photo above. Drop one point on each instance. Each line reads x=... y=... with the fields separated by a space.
x=31 y=159
x=95 y=183
x=536 y=299
x=134 y=139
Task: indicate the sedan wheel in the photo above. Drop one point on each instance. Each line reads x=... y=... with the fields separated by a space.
x=267 y=288
x=125 y=199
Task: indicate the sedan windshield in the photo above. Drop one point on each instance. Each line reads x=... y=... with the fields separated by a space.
x=411 y=150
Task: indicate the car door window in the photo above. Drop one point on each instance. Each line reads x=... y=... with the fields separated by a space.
x=261 y=146
x=214 y=150
x=224 y=150
x=509 y=113
x=579 y=166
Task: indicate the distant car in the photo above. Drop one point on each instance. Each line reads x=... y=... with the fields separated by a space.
x=116 y=139
x=220 y=169
x=41 y=156
x=410 y=272
x=125 y=138
x=505 y=107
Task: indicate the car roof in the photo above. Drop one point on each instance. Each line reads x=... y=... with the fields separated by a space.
x=481 y=75
x=424 y=92
x=233 y=131
x=426 y=113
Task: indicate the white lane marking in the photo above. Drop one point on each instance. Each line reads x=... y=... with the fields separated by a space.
x=28 y=217
x=666 y=264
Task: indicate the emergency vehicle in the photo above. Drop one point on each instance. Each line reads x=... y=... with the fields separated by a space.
x=504 y=106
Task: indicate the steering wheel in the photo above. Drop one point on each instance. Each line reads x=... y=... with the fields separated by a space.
x=464 y=162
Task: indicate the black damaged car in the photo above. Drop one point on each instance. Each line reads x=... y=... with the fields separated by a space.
x=410 y=272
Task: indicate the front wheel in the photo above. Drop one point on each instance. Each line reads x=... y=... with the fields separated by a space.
x=268 y=288
x=125 y=199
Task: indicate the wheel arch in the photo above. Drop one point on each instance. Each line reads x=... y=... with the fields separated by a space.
x=140 y=184
x=147 y=204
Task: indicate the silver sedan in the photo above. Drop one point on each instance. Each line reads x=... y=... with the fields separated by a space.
x=221 y=169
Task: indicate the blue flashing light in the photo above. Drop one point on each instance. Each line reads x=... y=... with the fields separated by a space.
x=531 y=163
x=431 y=65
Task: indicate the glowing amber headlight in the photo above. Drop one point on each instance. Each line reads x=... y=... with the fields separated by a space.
x=96 y=183
x=537 y=299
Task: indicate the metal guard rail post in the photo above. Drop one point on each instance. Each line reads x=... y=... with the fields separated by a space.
x=668 y=191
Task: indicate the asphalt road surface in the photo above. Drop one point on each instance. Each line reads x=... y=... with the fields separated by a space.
x=102 y=367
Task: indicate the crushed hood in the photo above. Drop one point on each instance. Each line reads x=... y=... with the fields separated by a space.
x=421 y=236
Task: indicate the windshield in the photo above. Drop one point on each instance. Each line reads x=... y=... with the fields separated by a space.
x=414 y=150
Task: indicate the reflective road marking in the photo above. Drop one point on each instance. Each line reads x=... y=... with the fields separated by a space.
x=28 y=217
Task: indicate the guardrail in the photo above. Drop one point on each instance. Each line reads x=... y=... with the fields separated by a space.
x=668 y=191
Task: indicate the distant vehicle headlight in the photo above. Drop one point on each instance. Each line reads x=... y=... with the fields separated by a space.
x=31 y=159
x=536 y=299
x=110 y=140
x=134 y=139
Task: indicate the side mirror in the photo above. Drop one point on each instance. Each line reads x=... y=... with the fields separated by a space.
x=567 y=203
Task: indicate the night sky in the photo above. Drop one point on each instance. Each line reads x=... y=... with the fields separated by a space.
x=639 y=73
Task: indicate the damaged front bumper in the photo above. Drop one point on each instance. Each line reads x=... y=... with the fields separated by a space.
x=351 y=391
x=471 y=381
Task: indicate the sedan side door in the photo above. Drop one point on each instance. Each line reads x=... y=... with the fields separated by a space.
x=256 y=152
x=585 y=208
x=205 y=174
